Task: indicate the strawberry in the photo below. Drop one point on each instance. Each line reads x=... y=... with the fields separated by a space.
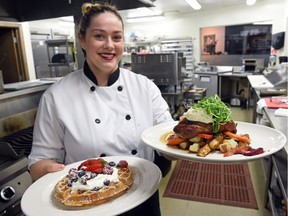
x=91 y=162
x=97 y=168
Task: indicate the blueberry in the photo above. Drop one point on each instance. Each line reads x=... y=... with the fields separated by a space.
x=74 y=179
x=81 y=173
x=111 y=163
x=96 y=188
x=106 y=182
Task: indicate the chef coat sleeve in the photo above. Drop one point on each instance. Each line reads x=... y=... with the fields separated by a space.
x=48 y=134
x=161 y=111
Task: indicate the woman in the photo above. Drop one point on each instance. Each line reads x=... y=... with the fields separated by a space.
x=100 y=110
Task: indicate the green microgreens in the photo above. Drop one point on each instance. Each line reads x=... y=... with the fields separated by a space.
x=218 y=109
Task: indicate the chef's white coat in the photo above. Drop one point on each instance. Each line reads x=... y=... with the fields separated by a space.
x=77 y=119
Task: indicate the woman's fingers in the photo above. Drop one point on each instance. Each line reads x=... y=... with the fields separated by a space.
x=55 y=167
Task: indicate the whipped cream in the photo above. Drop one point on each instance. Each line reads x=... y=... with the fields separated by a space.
x=98 y=181
x=199 y=115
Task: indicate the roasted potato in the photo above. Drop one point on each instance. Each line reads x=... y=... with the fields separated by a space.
x=203 y=151
x=194 y=147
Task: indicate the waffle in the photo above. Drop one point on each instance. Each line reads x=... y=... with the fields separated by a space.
x=64 y=193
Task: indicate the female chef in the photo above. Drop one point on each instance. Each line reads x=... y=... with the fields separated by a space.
x=100 y=110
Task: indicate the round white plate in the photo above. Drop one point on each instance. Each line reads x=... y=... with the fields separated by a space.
x=38 y=198
x=271 y=140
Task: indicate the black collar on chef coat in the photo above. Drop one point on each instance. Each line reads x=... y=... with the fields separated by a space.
x=111 y=80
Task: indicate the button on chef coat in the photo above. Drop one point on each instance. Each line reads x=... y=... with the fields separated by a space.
x=74 y=123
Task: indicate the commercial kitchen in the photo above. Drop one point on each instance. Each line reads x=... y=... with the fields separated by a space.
x=226 y=48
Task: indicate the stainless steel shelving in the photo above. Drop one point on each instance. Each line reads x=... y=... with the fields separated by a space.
x=181 y=45
x=61 y=47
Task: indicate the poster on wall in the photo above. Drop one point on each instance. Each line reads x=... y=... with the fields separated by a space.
x=212 y=40
x=210 y=44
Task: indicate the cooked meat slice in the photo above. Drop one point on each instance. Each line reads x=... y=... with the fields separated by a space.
x=187 y=129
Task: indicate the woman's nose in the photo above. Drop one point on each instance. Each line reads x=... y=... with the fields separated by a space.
x=109 y=43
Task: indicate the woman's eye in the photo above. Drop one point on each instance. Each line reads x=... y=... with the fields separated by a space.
x=99 y=36
x=117 y=38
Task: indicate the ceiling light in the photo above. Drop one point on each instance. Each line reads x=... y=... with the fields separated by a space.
x=67 y=19
x=194 y=4
x=250 y=2
x=267 y=22
x=143 y=11
x=145 y=19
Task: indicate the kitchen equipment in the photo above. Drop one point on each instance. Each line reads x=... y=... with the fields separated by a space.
x=17 y=115
x=253 y=65
x=235 y=102
x=209 y=81
x=272 y=60
x=283 y=59
x=194 y=94
x=206 y=76
x=163 y=68
x=14 y=177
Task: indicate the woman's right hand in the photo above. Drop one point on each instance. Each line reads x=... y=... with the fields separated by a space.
x=42 y=167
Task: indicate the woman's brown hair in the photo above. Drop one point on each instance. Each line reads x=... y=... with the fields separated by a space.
x=90 y=10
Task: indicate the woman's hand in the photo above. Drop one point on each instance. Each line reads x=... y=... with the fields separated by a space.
x=41 y=168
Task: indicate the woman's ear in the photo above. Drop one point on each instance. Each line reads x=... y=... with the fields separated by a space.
x=81 y=39
x=82 y=43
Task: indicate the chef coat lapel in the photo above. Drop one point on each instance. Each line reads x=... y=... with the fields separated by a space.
x=112 y=79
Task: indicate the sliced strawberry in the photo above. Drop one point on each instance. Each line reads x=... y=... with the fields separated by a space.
x=97 y=168
x=91 y=162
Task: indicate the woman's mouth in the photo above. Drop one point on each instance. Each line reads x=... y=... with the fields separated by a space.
x=107 y=56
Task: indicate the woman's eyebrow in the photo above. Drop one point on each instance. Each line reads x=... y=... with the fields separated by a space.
x=101 y=30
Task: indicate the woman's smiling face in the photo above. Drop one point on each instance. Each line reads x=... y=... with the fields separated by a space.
x=103 y=43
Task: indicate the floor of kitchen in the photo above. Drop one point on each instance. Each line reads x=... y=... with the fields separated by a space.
x=180 y=207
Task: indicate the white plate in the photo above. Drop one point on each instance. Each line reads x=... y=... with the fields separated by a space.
x=271 y=140
x=38 y=199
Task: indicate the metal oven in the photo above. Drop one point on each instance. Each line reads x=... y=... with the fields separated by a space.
x=253 y=65
x=163 y=68
x=17 y=115
x=14 y=177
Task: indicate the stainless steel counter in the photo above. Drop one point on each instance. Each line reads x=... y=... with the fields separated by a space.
x=278 y=122
x=12 y=102
x=207 y=77
x=18 y=108
x=10 y=94
x=276 y=165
